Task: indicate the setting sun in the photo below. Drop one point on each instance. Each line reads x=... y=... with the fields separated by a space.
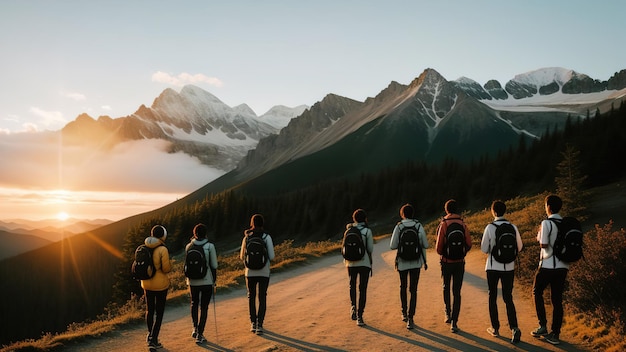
x=62 y=216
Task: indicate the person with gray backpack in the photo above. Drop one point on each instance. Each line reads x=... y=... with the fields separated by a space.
x=257 y=250
x=200 y=270
x=409 y=239
x=502 y=242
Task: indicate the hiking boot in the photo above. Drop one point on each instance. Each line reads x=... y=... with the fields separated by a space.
x=353 y=313
x=194 y=333
x=153 y=345
x=252 y=327
x=493 y=332
x=552 y=338
x=453 y=326
x=360 y=322
x=540 y=331
x=409 y=324
x=259 y=329
x=516 y=335
x=200 y=339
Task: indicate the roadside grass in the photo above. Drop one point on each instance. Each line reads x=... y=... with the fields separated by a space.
x=525 y=212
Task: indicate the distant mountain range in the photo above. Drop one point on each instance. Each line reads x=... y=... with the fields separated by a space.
x=430 y=119
x=19 y=236
x=194 y=121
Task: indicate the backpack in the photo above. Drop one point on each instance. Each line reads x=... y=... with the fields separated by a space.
x=352 y=246
x=409 y=246
x=455 y=241
x=195 y=262
x=568 y=246
x=255 y=256
x=505 y=249
x=143 y=265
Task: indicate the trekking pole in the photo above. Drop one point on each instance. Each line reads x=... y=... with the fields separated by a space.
x=217 y=341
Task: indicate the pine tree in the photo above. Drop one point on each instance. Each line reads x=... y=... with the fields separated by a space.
x=569 y=182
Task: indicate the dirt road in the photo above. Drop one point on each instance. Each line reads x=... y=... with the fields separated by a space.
x=308 y=310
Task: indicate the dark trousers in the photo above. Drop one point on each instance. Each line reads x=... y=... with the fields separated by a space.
x=555 y=278
x=200 y=298
x=410 y=276
x=263 y=283
x=452 y=272
x=507 y=278
x=155 y=305
x=363 y=275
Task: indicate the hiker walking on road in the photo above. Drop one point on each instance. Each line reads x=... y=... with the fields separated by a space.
x=502 y=242
x=257 y=250
x=200 y=269
x=359 y=268
x=552 y=271
x=453 y=242
x=155 y=288
x=409 y=238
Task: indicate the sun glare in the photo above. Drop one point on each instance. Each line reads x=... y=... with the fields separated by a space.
x=62 y=216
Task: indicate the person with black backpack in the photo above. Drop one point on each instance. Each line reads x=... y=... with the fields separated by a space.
x=502 y=242
x=359 y=268
x=257 y=250
x=200 y=270
x=552 y=272
x=453 y=242
x=409 y=239
x=155 y=288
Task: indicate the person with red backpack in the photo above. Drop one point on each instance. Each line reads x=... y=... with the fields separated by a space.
x=453 y=242
x=200 y=272
x=502 y=242
x=257 y=250
x=409 y=239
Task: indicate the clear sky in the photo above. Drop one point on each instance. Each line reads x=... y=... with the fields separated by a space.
x=63 y=58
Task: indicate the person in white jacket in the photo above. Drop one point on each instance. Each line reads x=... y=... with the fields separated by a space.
x=201 y=290
x=409 y=269
x=497 y=271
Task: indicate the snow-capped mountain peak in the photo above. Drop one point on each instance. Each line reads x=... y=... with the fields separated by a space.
x=545 y=76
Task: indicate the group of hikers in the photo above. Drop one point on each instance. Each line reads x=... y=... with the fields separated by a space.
x=501 y=240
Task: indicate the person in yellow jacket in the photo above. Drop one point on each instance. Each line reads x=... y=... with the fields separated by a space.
x=155 y=288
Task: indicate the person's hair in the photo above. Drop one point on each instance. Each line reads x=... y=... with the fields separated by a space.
x=498 y=207
x=359 y=216
x=257 y=222
x=554 y=202
x=407 y=211
x=451 y=207
x=199 y=231
x=158 y=231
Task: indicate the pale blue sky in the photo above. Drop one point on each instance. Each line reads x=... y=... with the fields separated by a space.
x=63 y=58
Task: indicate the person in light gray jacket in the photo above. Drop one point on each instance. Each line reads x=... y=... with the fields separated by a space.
x=201 y=290
x=409 y=269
